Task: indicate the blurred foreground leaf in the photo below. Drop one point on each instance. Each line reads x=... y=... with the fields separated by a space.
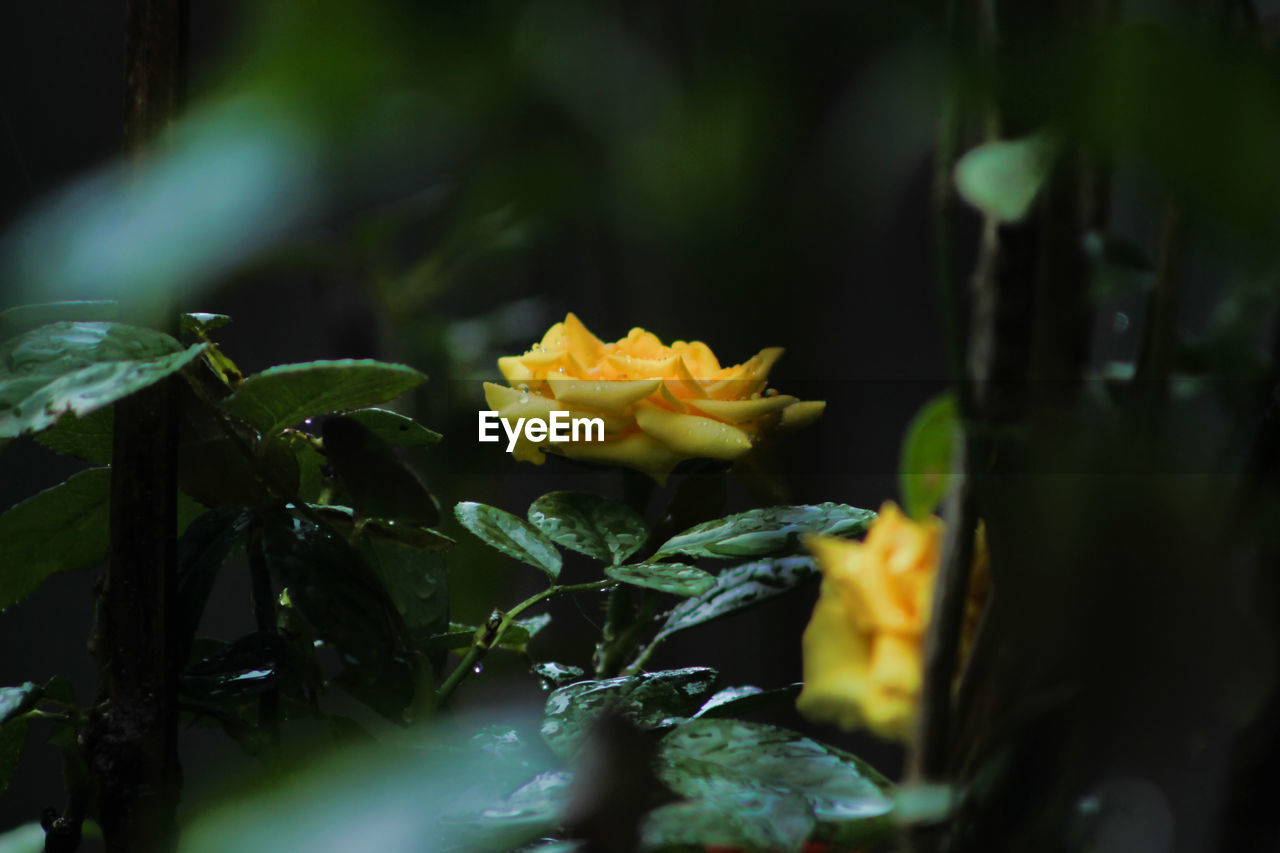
x=1002 y=178
x=23 y=318
x=419 y=797
x=924 y=472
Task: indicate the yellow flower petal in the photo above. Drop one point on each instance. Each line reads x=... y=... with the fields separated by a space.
x=514 y=369
x=510 y=403
x=801 y=414
x=836 y=659
x=584 y=346
x=641 y=386
x=611 y=396
x=741 y=411
x=634 y=450
x=691 y=435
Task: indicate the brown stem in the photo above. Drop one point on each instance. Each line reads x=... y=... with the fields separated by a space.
x=932 y=747
x=133 y=746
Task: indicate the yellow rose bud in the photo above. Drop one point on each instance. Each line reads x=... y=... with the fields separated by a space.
x=864 y=646
x=660 y=404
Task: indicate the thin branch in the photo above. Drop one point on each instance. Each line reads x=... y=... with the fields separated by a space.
x=497 y=626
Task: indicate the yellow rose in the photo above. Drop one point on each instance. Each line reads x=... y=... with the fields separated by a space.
x=660 y=404
x=864 y=647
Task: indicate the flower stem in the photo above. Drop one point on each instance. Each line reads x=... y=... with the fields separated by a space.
x=497 y=626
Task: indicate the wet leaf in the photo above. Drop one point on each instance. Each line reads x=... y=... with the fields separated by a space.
x=202 y=549
x=607 y=530
x=511 y=535
x=80 y=367
x=417 y=583
x=343 y=518
x=288 y=394
x=712 y=759
x=62 y=529
x=345 y=603
x=675 y=578
x=394 y=428
x=557 y=674
x=734 y=701
x=766 y=531
x=651 y=700
x=200 y=323
x=248 y=667
x=740 y=588
x=924 y=472
x=373 y=476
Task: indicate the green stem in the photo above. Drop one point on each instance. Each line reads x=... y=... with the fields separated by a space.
x=497 y=627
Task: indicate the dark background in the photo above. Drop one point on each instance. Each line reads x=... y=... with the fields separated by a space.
x=776 y=195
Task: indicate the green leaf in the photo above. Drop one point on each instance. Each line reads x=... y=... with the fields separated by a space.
x=80 y=367
x=651 y=700
x=372 y=475
x=202 y=549
x=201 y=324
x=735 y=701
x=343 y=518
x=739 y=588
x=417 y=583
x=394 y=428
x=458 y=636
x=742 y=819
x=1003 y=178
x=288 y=394
x=62 y=529
x=713 y=759
x=13 y=737
x=557 y=674
x=924 y=472
x=511 y=535
x=766 y=531
x=248 y=667
x=86 y=437
x=215 y=470
x=608 y=530
x=675 y=578
x=345 y=603
x=23 y=318
x=16 y=701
